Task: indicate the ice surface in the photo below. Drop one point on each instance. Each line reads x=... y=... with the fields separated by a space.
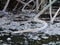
x=53 y=29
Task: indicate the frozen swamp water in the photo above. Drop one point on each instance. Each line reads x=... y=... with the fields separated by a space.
x=48 y=36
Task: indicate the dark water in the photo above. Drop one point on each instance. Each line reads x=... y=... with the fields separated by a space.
x=25 y=39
